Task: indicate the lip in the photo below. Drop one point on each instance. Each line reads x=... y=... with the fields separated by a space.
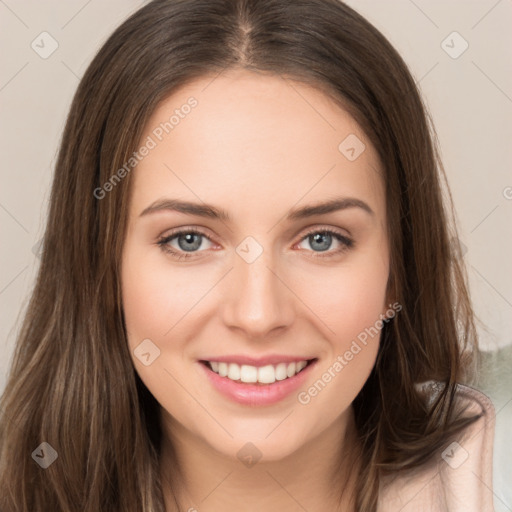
x=257 y=361
x=257 y=394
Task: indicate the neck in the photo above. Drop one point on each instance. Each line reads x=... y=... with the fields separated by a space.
x=319 y=475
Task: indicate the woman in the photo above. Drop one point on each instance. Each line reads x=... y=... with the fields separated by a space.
x=311 y=355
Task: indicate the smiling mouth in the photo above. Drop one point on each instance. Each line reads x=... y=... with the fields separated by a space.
x=263 y=375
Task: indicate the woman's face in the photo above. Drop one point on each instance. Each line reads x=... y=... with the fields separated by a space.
x=262 y=289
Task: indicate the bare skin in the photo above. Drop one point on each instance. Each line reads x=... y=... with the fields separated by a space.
x=256 y=146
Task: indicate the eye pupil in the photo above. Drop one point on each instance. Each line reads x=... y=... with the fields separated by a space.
x=189 y=237
x=327 y=240
x=191 y=241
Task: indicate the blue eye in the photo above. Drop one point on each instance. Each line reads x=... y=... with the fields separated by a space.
x=322 y=240
x=190 y=240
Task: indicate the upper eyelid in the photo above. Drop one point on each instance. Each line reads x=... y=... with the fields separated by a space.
x=305 y=232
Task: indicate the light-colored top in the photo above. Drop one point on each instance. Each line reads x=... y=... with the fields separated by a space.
x=459 y=478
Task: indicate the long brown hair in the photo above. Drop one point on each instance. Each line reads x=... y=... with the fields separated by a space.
x=72 y=383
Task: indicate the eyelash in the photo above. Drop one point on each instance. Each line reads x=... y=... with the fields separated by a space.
x=346 y=242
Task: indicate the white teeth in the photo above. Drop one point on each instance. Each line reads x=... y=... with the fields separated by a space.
x=233 y=371
x=301 y=365
x=264 y=374
x=281 y=371
x=223 y=369
x=248 y=373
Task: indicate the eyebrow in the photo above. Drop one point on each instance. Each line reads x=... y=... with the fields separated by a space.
x=210 y=211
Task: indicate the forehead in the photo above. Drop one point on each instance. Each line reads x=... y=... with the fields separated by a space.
x=251 y=140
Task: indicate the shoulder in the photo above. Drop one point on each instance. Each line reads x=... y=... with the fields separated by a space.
x=459 y=477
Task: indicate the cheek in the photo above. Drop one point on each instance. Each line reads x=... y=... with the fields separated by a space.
x=354 y=314
x=351 y=306
x=154 y=296
x=143 y=302
x=359 y=303
x=153 y=302
x=350 y=298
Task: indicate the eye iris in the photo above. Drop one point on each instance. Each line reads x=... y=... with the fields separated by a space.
x=318 y=237
x=189 y=237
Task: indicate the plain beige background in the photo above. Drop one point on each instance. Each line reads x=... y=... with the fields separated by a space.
x=469 y=94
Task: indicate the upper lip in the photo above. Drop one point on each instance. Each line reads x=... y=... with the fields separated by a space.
x=257 y=361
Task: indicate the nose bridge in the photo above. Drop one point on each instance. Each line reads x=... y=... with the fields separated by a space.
x=257 y=300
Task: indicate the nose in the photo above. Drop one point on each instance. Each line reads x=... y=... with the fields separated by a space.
x=259 y=302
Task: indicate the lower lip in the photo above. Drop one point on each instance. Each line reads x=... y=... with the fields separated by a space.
x=257 y=394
